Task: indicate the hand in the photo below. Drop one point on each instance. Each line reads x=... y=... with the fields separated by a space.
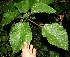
x=28 y=52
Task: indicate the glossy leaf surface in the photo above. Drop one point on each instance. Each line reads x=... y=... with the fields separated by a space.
x=9 y=16
x=19 y=34
x=41 y=7
x=22 y=6
x=56 y=35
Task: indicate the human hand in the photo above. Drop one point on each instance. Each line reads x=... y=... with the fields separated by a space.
x=28 y=52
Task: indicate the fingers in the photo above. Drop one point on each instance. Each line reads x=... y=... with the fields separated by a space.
x=34 y=52
x=31 y=50
x=31 y=47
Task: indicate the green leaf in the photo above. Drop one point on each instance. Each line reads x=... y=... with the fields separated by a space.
x=9 y=16
x=17 y=0
x=19 y=16
x=22 y=6
x=59 y=8
x=46 y=1
x=41 y=7
x=32 y=2
x=3 y=49
x=9 y=6
x=56 y=35
x=53 y=54
x=19 y=34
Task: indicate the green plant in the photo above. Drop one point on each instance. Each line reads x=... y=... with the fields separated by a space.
x=21 y=32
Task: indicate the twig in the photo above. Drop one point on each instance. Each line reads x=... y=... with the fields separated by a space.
x=27 y=16
x=34 y=23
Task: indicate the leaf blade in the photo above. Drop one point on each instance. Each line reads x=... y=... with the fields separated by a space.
x=19 y=34
x=41 y=7
x=9 y=6
x=56 y=35
x=9 y=16
x=46 y=1
x=24 y=6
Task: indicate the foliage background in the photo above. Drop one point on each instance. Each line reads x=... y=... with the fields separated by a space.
x=44 y=49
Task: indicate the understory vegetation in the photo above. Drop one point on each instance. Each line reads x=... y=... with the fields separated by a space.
x=43 y=23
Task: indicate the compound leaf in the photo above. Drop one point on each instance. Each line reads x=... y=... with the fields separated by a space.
x=56 y=35
x=19 y=34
